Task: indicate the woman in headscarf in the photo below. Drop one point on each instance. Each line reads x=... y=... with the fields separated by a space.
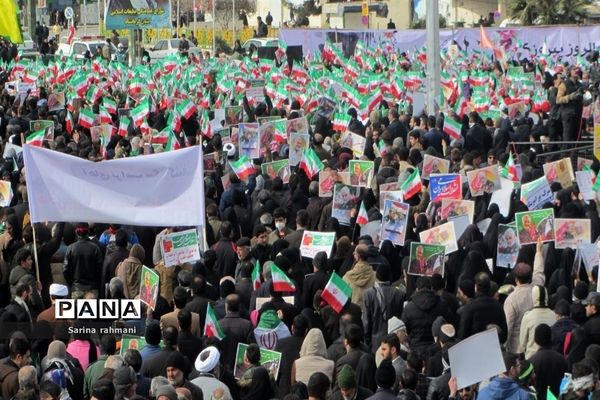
x=58 y=368
x=261 y=387
x=343 y=259
x=313 y=357
x=130 y=271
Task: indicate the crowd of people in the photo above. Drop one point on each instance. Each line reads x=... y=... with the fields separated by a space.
x=391 y=338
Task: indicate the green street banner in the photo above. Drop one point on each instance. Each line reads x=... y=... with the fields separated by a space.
x=180 y=247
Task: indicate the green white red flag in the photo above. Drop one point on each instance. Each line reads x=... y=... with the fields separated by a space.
x=336 y=292
x=211 y=324
x=281 y=282
x=310 y=163
x=412 y=185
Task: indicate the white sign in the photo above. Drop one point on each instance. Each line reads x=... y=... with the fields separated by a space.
x=180 y=247
x=502 y=197
x=467 y=364
x=69 y=13
x=165 y=189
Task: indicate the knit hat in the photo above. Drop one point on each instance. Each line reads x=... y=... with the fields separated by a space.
x=166 y=390
x=176 y=360
x=385 y=376
x=346 y=377
x=395 y=324
x=124 y=376
x=383 y=273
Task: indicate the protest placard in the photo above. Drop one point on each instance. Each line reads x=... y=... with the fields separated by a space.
x=361 y=172
x=46 y=126
x=572 y=232
x=345 y=198
x=508 y=246
x=537 y=193
x=314 y=242
x=461 y=223
x=256 y=90
x=180 y=247
x=279 y=168
x=395 y=222
x=268 y=358
x=484 y=180
x=453 y=208
x=532 y=225
x=298 y=143
x=502 y=197
x=354 y=142
x=560 y=171
x=234 y=115
x=434 y=165
x=249 y=140
x=132 y=342
x=441 y=234
x=6 y=193
x=467 y=364
x=426 y=259
x=585 y=182
x=445 y=186
x=149 y=287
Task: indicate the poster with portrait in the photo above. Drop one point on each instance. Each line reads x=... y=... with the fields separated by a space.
x=354 y=142
x=279 y=168
x=43 y=125
x=585 y=182
x=225 y=134
x=426 y=259
x=361 y=173
x=6 y=193
x=137 y=14
x=298 y=143
x=249 y=140
x=508 y=246
x=453 y=208
x=326 y=107
x=345 y=198
x=149 y=287
x=389 y=195
x=441 y=234
x=210 y=162
x=296 y=125
x=534 y=225
x=583 y=162
x=394 y=222
x=434 y=165
x=56 y=101
x=484 y=180
x=272 y=135
x=101 y=133
x=234 y=115
x=268 y=358
x=132 y=342
x=560 y=171
x=571 y=232
x=328 y=178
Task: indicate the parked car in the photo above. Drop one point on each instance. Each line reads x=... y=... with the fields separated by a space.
x=28 y=49
x=167 y=47
x=260 y=42
x=79 y=47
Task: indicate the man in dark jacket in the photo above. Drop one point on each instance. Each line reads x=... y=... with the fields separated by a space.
x=592 y=311
x=198 y=302
x=236 y=330
x=380 y=303
x=315 y=281
x=225 y=251
x=420 y=312
x=477 y=138
x=115 y=253
x=187 y=343
x=483 y=310
x=348 y=387
x=549 y=366
x=289 y=347
x=155 y=365
x=353 y=337
x=83 y=264
x=9 y=370
x=564 y=326
x=396 y=128
x=177 y=368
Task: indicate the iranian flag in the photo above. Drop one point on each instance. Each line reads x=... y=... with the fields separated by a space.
x=86 y=118
x=136 y=86
x=69 y=122
x=310 y=163
x=110 y=105
x=256 y=276
x=139 y=113
x=211 y=324
x=341 y=121
x=363 y=217
x=281 y=282
x=105 y=117
x=93 y=93
x=172 y=142
x=161 y=137
x=243 y=167
x=123 y=126
x=205 y=127
x=452 y=128
x=186 y=108
x=80 y=85
x=509 y=171
x=336 y=292
x=36 y=138
x=412 y=185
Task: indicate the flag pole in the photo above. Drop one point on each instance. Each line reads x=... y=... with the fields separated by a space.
x=35 y=253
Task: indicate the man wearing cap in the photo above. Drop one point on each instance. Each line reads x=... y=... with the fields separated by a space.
x=177 y=368
x=243 y=246
x=592 y=311
x=83 y=264
x=520 y=300
x=207 y=364
x=57 y=291
x=165 y=392
x=348 y=387
x=125 y=382
x=398 y=328
x=380 y=303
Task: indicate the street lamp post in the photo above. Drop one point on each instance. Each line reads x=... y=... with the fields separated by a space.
x=233 y=44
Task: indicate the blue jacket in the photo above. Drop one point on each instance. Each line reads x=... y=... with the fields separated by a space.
x=501 y=388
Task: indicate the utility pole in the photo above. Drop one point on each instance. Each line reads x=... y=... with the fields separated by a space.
x=433 y=55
